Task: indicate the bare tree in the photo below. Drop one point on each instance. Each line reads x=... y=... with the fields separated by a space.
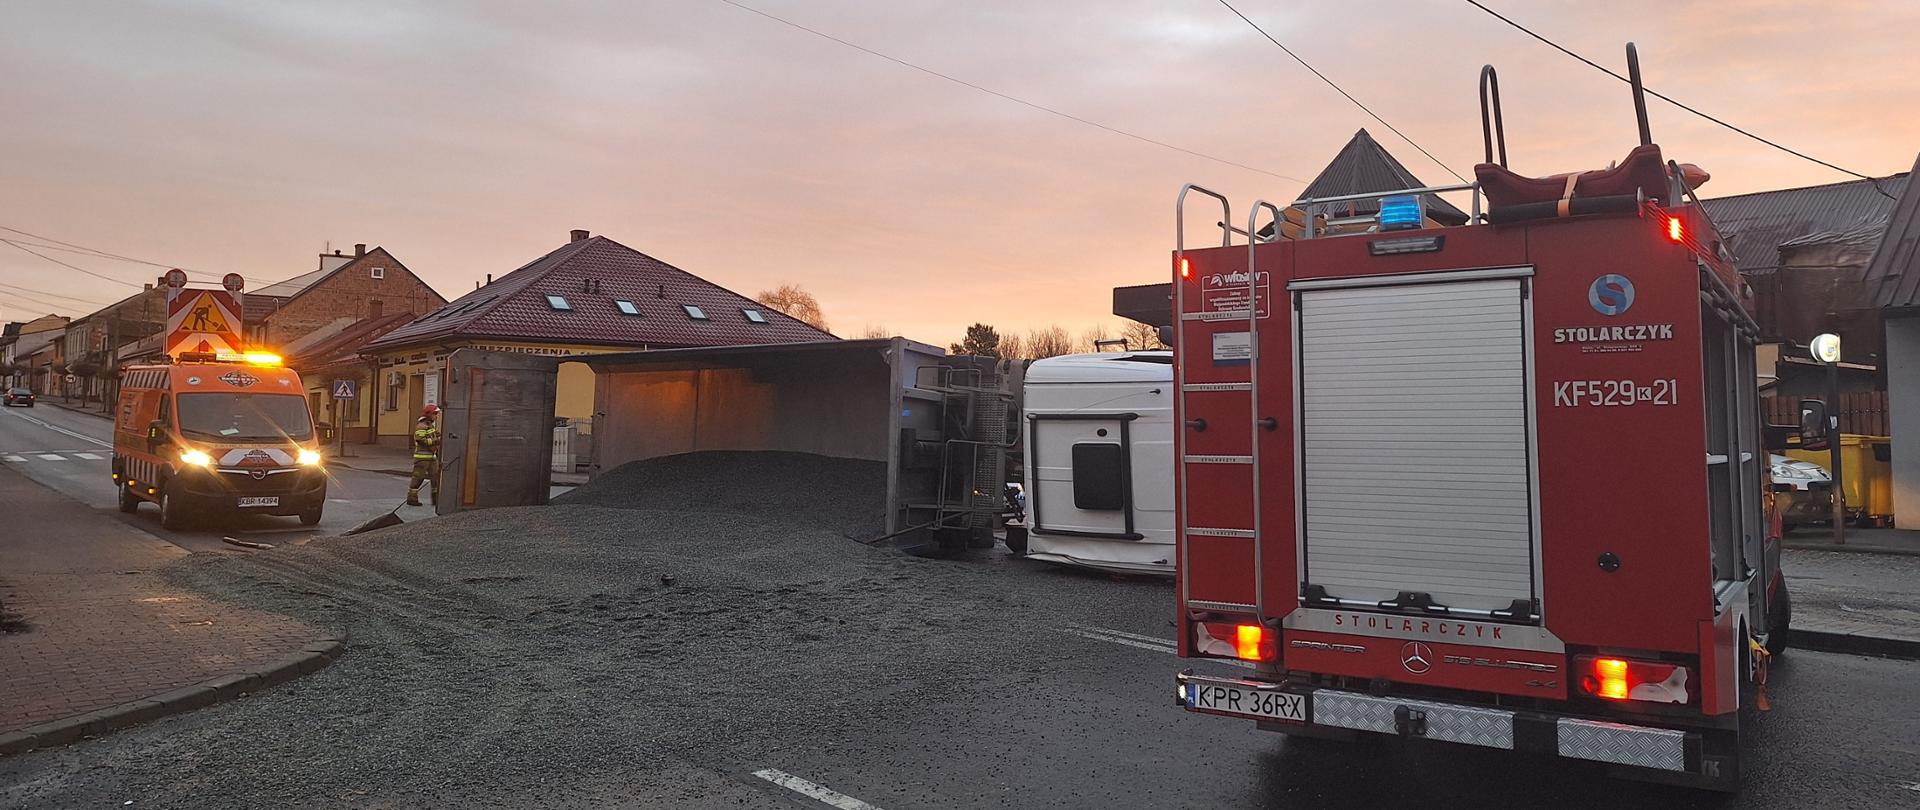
x=796 y=303
x=1090 y=339
x=1141 y=336
x=1013 y=346
x=875 y=332
x=1052 y=341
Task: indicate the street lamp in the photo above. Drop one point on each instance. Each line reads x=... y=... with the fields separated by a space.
x=1826 y=349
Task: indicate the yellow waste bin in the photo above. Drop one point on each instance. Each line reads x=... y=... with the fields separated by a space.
x=1868 y=470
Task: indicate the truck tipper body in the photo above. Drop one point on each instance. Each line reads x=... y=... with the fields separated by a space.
x=1501 y=484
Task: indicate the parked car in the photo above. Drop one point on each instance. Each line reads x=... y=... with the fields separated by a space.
x=1812 y=496
x=19 y=396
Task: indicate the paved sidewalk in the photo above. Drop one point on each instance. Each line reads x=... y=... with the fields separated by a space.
x=1865 y=602
x=1863 y=541
x=104 y=641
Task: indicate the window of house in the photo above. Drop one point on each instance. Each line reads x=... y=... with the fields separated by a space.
x=626 y=307
x=694 y=312
x=559 y=302
x=377 y=272
x=395 y=385
x=754 y=315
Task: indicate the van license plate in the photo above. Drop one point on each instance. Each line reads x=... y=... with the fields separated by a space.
x=259 y=501
x=1266 y=704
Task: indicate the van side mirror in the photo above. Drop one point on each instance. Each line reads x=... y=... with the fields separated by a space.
x=1813 y=424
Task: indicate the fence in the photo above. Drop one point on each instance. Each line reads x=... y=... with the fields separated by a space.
x=1862 y=412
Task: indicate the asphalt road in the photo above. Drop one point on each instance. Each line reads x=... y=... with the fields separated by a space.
x=72 y=453
x=500 y=660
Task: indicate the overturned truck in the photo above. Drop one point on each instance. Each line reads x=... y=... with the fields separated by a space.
x=940 y=425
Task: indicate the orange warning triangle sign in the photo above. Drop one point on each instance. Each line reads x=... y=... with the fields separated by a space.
x=203 y=315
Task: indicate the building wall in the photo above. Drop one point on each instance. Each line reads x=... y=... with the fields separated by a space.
x=354 y=293
x=1903 y=406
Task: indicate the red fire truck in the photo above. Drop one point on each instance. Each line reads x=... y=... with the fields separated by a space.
x=1501 y=484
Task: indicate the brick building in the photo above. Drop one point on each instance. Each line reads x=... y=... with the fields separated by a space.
x=588 y=296
x=370 y=284
x=94 y=342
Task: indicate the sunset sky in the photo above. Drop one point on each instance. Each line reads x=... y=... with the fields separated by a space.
x=467 y=138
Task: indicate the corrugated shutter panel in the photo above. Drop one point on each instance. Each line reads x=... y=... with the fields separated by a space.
x=1415 y=434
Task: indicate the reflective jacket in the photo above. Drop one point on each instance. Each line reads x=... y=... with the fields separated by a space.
x=426 y=440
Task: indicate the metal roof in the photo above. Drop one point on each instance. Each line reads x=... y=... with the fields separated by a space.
x=1892 y=278
x=1363 y=166
x=1755 y=225
x=592 y=275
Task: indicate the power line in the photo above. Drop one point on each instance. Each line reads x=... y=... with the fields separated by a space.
x=19 y=246
x=1014 y=99
x=85 y=249
x=1349 y=96
x=18 y=290
x=1875 y=182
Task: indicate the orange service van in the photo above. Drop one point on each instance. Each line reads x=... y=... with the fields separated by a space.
x=217 y=435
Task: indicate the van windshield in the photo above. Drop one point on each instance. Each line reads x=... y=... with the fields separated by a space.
x=244 y=417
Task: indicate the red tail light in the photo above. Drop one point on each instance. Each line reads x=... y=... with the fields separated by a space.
x=1247 y=642
x=1611 y=678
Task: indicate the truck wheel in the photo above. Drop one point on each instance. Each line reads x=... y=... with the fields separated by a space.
x=1778 y=619
x=129 y=502
x=173 y=514
x=310 y=517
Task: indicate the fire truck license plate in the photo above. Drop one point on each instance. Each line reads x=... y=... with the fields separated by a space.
x=260 y=501
x=1269 y=704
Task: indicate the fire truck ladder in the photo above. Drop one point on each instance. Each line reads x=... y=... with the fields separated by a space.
x=1249 y=385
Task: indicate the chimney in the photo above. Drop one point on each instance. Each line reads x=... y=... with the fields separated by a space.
x=336 y=253
x=360 y=249
x=146 y=288
x=579 y=234
x=489 y=278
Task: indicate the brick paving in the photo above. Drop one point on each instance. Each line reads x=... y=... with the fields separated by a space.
x=101 y=627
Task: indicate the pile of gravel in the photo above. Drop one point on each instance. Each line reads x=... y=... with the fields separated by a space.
x=842 y=495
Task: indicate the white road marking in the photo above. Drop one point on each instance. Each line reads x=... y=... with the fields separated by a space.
x=15 y=459
x=1159 y=645
x=57 y=429
x=1913 y=786
x=810 y=790
x=52 y=457
x=88 y=456
x=1108 y=631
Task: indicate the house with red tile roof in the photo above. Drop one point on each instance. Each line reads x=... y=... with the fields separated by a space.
x=591 y=295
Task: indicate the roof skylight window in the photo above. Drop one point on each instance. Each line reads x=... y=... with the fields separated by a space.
x=694 y=312
x=559 y=302
x=754 y=315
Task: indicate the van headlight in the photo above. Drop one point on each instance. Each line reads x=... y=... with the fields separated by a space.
x=197 y=458
x=309 y=458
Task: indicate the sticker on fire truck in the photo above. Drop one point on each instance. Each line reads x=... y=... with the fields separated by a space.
x=1227 y=293
x=1229 y=699
x=1608 y=393
x=1232 y=348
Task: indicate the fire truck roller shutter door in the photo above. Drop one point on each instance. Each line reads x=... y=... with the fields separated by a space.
x=1416 y=442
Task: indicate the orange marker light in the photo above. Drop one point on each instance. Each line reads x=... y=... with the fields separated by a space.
x=1186 y=267
x=1612 y=675
x=1675 y=231
x=1246 y=641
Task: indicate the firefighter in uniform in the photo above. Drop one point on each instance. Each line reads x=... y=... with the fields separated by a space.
x=426 y=456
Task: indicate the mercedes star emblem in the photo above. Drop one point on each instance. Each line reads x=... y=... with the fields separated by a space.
x=1416 y=657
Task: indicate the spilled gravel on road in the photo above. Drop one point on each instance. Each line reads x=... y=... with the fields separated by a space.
x=570 y=655
x=838 y=494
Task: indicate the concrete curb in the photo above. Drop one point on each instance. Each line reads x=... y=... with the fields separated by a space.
x=1852 y=549
x=1851 y=644
x=64 y=731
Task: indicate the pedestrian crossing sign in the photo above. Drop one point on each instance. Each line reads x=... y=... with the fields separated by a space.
x=345 y=389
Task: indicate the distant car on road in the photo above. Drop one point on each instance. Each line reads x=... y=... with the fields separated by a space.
x=1812 y=494
x=19 y=396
